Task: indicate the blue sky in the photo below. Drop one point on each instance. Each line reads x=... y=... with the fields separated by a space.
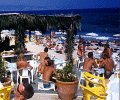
x=66 y=4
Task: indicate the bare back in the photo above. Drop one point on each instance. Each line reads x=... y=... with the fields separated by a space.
x=109 y=51
x=88 y=63
x=42 y=56
x=108 y=64
x=47 y=72
x=23 y=64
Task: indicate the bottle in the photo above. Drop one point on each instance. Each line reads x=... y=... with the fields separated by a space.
x=96 y=60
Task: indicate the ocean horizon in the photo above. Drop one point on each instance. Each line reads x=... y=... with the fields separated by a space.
x=102 y=21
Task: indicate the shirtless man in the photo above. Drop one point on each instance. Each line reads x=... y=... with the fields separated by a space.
x=80 y=53
x=107 y=50
x=107 y=62
x=47 y=71
x=88 y=62
x=22 y=63
x=42 y=55
x=83 y=47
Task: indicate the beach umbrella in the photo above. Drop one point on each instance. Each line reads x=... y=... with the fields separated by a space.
x=59 y=42
x=58 y=32
x=117 y=35
x=92 y=34
x=38 y=33
x=102 y=38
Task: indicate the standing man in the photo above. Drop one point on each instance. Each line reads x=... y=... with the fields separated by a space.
x=89 y=62
x=107 y=50
x=42 y=55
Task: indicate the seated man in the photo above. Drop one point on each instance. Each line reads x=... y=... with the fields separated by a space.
x=47 y=71
x=22 y=63
x=89 y=62
x=107 y=75
x=23 y=91
x=106 y=62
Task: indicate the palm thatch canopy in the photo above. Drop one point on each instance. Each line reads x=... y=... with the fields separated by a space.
x=22 y=22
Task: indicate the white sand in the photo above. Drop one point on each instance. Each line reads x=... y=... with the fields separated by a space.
x=32 y=47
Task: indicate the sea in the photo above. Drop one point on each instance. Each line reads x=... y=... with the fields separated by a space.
x=102 y=21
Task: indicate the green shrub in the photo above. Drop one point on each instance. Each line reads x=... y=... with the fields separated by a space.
x=66 y=74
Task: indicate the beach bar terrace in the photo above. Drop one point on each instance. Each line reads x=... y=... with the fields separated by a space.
x=30 y=49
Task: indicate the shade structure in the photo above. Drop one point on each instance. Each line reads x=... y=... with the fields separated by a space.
x=102 y=38
x=92 y=34
x=117 y=35
x=38 y=33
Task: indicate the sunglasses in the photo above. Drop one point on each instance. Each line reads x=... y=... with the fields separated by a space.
x=19 y=91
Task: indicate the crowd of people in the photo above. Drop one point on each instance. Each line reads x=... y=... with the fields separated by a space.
x=105 y=61
x=46 y=67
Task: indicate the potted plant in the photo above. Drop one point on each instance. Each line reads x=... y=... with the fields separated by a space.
x=4 y=80
x=67 y=83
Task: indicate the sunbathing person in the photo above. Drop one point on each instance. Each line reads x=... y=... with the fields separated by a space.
x=106 y=62
x=89 y=62
x=59 y=50
x=23 y=91
x=22 y=63
x=39 y=42
x=50 y=46
x=47 y=71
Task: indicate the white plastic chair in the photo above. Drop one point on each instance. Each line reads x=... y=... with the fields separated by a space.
x=34 y=64
x=25 y=74
x=41 y=87
x=78 y=64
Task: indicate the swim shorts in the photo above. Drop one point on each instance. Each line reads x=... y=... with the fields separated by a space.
x=46 y=85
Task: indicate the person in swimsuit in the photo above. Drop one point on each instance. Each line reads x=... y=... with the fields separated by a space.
x=47 y=71
x=107 y=62
x=89 y=62
x=42 y=57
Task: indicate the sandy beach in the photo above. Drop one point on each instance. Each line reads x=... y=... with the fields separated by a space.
x=32 y=47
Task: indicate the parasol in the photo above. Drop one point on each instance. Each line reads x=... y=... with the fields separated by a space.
x=92 y=34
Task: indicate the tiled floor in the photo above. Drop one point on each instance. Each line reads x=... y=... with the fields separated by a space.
x=49 y=95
